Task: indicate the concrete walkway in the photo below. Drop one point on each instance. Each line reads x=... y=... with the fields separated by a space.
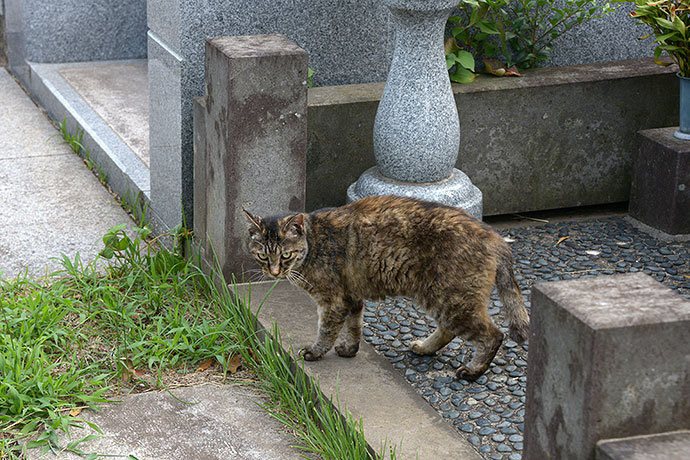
x=50 y=203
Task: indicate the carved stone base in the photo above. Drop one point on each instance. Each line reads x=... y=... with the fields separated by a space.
x=457 y=190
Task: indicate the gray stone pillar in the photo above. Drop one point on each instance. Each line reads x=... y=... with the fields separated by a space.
x=608 y=358
x=251 y=141
x=417 y=131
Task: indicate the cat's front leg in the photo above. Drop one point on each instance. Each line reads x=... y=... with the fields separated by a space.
x=352 y=332
x=331 y=320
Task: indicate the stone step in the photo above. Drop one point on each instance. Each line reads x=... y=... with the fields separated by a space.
x=367 y=385
x=674 y=445
x=108 y=100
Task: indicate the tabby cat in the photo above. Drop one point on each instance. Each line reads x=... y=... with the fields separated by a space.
x=438 y=255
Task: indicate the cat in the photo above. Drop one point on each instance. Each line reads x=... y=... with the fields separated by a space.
x=438 y=255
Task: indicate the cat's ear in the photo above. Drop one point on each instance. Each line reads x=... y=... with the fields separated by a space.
x=255 y=222
x=294 y=226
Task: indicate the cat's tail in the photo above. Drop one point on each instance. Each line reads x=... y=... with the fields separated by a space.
x=514 y=308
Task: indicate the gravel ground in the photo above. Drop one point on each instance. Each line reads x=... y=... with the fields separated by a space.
x=489 y=412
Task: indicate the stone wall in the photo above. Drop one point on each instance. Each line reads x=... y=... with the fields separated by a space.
x=557 y=137
x=78 y=30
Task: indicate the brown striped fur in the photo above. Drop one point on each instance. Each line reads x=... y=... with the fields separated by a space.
x=440 y=256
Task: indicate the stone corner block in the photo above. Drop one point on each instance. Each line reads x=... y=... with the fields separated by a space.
x=660 y=182
x=663 y=446
x=250 y=141
x=608 y=358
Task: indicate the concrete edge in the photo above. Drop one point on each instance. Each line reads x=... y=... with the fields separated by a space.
x=420 y=433
x=125 y=173
x=539 y=77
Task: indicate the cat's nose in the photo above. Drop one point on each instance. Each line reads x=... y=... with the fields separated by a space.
x=275 y=271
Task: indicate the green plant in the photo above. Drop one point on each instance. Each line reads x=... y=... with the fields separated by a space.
x=470 y=29
x=75 y=143
x=527 y=28
x=84 y=331
x=523 y=32
x=669 y=21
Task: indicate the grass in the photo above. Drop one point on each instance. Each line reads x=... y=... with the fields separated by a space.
x=83 y=335
x=75 y=141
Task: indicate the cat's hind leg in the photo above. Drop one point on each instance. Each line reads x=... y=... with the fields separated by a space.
x=437 y=340
x=351 y=333
x=486 y=337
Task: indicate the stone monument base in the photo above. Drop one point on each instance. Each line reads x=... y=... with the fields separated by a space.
x=456 y=190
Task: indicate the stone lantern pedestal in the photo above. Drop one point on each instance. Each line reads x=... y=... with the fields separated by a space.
x=417 y=130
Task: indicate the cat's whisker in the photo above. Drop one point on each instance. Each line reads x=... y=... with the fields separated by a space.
x=297 y=279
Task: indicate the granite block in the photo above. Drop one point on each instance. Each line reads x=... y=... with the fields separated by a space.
x=82 y=30
x=255 y=140
x=165 y=127
x=608 y=359
x=163 y=19
x=660 y=185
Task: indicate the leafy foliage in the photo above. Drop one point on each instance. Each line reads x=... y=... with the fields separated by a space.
x=518 y=33
x=669 y=20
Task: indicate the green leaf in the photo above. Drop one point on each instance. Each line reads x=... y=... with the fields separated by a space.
x=465 y=59
x=462 y=75
x=488 y=27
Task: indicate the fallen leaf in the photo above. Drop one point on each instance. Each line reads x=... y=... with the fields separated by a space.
x=76 y=411
x=234 y=363
x=560 y=240
x=205 y=365
x=496 y=67
x=139 y=372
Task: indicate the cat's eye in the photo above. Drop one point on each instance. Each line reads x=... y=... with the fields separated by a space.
x=286 y=255
x=262 y=256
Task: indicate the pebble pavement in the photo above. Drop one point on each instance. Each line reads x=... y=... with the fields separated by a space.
x=489 y=412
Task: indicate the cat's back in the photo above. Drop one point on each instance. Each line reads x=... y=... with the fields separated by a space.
x=411 y=218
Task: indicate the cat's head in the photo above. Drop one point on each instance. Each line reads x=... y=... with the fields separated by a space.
x=278 y=243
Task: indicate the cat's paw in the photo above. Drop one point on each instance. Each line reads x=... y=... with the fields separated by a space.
x=417 y=347
x=347 y=351
x=468 y=374
x=309 y=354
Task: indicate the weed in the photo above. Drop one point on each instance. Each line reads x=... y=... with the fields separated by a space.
x=75 y=141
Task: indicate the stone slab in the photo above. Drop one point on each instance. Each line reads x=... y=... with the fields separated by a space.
x=50 y=203
x=255 y=139
x=570 y=143
x=608 y=359
x=663 y=446
x=367 y=385
x=206 y=422
x=168 y=135
x=118 y=93
x=660 y=185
